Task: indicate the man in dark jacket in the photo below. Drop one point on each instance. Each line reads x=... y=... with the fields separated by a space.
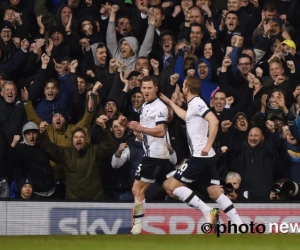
x=29 y=160
x=255 y=162
x=82 y=160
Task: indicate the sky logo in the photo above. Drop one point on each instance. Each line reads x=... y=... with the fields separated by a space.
x=90 y=221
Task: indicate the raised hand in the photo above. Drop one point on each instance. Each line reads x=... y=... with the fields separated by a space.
x=43 y=126
x=264 y=100
x=270 y=126
x=45 y=59
x=211 y=29
x=114 y=9
x=259 y=72
x=90 y=73
x=85 y=43
x=121 y=148
x=100 y=121
x=69 y=24
x=98 y=85
x=15 y=140
x=58 y=67
x=73 y=66
x=122 y=120
x=151 y=16
x=90 y=104
x=229 y=100
x=24 y=94
x=49 y=47
x=191 y=72
x=225 y=125
x=40 y=24
x=174 y=78
x=24 y=44
x=154 y=64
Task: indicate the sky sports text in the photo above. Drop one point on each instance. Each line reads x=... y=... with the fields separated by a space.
x=252 y=228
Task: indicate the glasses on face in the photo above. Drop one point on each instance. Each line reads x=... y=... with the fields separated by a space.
x=110 y=104
x=242 y=119
x=244 y=64
x=6 y=31
x=202 y=67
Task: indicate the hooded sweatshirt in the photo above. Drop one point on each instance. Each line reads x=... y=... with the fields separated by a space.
x=115 y=47
x=32 y=162
x=207 y=86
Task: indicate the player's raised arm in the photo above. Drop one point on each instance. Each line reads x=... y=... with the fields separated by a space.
x=179 y=111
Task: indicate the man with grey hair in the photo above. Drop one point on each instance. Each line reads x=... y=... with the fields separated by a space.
x=233 y=183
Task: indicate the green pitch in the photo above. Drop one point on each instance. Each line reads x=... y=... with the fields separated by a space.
x=152 y=242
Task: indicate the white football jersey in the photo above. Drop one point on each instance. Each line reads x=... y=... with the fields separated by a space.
x=197 y=127
x=152 y=114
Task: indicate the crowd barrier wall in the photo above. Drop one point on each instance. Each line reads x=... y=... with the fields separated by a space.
x=91 y=218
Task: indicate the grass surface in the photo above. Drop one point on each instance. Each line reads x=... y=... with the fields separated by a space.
x=152 y=242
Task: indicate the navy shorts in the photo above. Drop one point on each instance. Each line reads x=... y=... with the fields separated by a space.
x=198 y=168
x=151 y=169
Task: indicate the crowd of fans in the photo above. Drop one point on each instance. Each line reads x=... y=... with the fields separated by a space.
x=70 y=68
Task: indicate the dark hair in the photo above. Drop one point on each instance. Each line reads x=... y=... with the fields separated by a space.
x=150 y=78
x=53 y=80
x=245 y=56
x=122 y=16
x=165 y=33
x=280 y=91
x=83 y=76
x=270 y=5
x=232 y=12
x=10 y=7
x=197 y=25
x=162 y=11
x=220 y=91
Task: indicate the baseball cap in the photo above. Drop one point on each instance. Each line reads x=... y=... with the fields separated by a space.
x=289 y=43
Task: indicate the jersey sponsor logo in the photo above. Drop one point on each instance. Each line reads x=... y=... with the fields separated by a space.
x=160 y=115
x=89 y=221
x=201 y=107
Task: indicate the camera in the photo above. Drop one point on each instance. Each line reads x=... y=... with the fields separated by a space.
x=228 y=188
x=288 y=189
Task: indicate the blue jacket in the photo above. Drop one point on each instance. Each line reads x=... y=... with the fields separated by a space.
x=207 y=86
x=45 y=108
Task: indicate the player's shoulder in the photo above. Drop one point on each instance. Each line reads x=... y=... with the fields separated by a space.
x=159 y=104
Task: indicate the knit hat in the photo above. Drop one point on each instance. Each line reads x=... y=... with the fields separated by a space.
x=66 y=58
x=7 y=25
x=278 y=21
x=23 y=181
x=110 y=99
x=62 y=112
x=237 y=115
x=57 y=28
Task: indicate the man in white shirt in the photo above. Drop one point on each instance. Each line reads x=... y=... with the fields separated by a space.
x=155 y=163
x=202 y=127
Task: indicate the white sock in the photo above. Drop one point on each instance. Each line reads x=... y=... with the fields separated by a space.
x=228 y=208
x=188 y=196
x=139 y=211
